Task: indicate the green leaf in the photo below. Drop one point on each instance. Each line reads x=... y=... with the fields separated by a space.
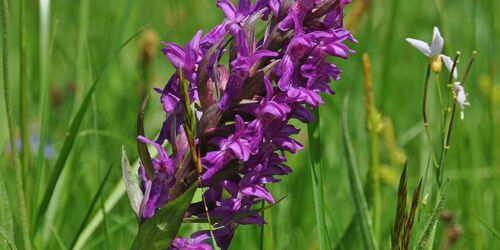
x=144 y=154
x=70 y=138
x=159 y=231
x=6 y=224
x=315 y=150
x=431 y=223
x=132 y=184
x=362 y=213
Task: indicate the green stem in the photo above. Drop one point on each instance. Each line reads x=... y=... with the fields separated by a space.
x=44 y=95
x=426 y=118
x=10 y=124
x=317 y=179
x=23 y=98
x=373 y=174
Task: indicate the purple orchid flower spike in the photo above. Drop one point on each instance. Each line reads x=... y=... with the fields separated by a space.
x=244 y=108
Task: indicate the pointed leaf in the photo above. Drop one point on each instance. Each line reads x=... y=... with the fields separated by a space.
x=144 y=154
x=132 y=184
x=159 y=231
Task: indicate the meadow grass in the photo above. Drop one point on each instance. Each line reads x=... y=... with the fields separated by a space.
x=51 y=75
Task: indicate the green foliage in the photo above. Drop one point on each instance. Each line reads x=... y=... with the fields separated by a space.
x=161 y=229
x=84 y=33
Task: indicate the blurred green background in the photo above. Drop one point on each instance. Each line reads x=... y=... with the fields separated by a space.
x=83 y=32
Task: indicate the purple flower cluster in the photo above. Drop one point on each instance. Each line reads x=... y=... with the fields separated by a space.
x=243 y=109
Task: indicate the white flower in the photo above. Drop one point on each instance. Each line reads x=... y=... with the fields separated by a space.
x=434 y=52
x=460 y=97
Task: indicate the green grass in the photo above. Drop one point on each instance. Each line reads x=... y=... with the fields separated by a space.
x=81 y=36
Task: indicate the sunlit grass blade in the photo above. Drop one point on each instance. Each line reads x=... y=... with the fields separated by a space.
x=6 y=223
x=315 y=150
x=70 y=138
x=97 y=196
x=431 y=223
x=159 y=231
x=362 y=217
x=44 y=111
x=11 y=128
x=115 y=196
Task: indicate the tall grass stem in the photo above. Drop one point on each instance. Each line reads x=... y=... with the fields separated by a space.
x=11 y=128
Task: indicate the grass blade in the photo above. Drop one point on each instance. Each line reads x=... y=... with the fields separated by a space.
x=362 y=213
x=70 y=138
x=490 y=228
x=159 y=231
x=431 y=223
x=11 y=128
x=315 y=150
x=91 y=208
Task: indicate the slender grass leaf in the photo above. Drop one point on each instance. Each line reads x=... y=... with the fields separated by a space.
x=132 y=184
x=431 y=223
x=92 y=205
x=362 y=213
x=315 y=150
x=141 y=146
x=490 y=228
x=159 y=231
x=70 y=137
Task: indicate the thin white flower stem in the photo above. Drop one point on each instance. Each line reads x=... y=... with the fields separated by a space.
x=447 y=138
x=11 y=128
